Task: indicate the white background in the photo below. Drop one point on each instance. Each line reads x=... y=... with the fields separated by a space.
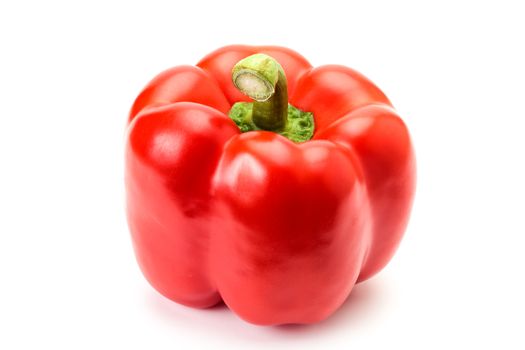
x=69 y=73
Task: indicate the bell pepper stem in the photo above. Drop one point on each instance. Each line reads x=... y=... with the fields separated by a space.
x=262 y=78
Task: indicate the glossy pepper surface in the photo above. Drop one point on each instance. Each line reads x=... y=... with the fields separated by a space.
x=279 y=230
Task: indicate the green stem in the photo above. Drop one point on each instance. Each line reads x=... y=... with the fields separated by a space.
x=262 y=78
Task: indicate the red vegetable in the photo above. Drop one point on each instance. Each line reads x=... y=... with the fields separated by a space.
x=279 y=230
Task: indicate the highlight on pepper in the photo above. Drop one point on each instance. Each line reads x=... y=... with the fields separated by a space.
x=258 y=180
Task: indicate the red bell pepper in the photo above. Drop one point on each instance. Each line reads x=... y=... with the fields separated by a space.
x=233 y=201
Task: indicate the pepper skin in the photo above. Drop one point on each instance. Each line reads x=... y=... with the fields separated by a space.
x=280 y=231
